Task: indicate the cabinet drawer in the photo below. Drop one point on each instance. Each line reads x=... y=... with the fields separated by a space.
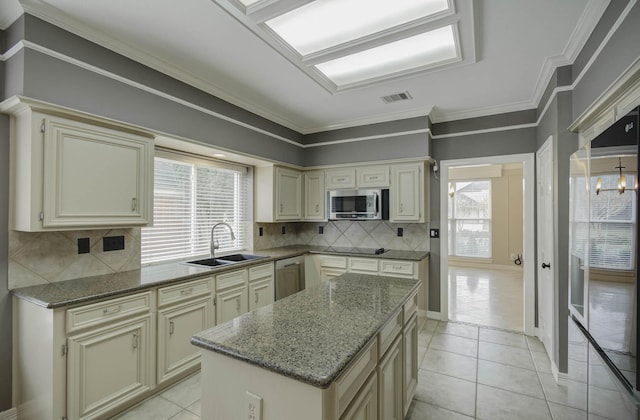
x=389 y=332
x=234 y=278
x=397 y=268
x=183 y=291
x=333 y=261
x=107 y=311
x=411 y=307
x=261 y=271
x=348 y=384
x=363 y=265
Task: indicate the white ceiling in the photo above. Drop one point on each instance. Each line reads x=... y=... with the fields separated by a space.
x=517 y=45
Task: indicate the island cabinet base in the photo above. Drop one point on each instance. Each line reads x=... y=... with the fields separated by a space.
x=378 y=384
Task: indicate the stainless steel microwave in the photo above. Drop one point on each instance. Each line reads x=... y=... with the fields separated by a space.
x=366 y=204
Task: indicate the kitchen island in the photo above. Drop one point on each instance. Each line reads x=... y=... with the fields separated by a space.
x=341 y=349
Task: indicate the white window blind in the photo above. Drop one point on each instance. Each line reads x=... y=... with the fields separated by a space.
x=612 y=224
x=190 y=196
x=470 y=219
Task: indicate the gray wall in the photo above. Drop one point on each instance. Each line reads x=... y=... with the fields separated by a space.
x=497 y=143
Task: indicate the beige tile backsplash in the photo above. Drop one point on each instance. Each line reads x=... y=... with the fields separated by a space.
x=48 y=257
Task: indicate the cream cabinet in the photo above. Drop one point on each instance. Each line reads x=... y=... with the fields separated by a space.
x=390 y=383
x=340 y=178
x=314 y=196
x=260 y=286
x=407 y=193
x=410 y=360
x=184 y=309
x=67 y=174
x=365 y=405
x=278 y=194
x=231 y=295
x=108 y=367
x=372 y=176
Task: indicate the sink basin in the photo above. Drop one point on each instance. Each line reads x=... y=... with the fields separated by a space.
x=239 y=257
x=209 y=262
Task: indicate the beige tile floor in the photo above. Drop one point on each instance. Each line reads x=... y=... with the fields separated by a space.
x=486 y=297
x=466 y=372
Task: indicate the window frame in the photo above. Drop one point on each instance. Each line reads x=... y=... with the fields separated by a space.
x=452 y=219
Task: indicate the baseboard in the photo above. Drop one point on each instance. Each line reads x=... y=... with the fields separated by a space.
x=433 y=315
x=10 y=414
x=560 y=377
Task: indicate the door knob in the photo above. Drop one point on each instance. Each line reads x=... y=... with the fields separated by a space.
x=546 y=265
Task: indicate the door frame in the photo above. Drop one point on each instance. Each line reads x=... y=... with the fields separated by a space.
x=528 y=251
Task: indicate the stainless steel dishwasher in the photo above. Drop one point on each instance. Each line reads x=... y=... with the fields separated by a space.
x=289 y=277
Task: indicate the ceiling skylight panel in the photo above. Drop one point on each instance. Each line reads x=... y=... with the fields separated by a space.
x=416 y=52
x=324 y=24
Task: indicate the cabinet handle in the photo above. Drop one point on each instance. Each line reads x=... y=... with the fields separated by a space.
x=256 y=297
x=112 y=310
x=281 y=208
x=186 y=291
x=134 y=204
x=135 y=340
x=317 y=207
x=171 y=327
x=401 y=208
x=238 y=305
x=339 y=179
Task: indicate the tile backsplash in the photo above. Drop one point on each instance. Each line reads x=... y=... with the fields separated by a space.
x=48 y=257
x=366 y=234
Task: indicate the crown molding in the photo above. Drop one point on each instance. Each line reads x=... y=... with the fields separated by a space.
x=57 y=18
x=437 y=116
x=375 y=119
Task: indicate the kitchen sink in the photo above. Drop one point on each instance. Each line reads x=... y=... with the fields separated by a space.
x=239 y=257
x=209 y=262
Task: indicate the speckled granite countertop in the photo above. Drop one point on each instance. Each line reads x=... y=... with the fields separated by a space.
x=83 y=290
x=313 y=335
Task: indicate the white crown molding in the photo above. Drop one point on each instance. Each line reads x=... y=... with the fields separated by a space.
x=378 y=136
x=486 y=130
x=57 y=18
x=10 y=11
x=437 y=116
x=375 y=119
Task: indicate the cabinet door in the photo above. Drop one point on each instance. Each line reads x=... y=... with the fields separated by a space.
x=109 y=366
x=410 y=361
x=231 y=303
x=365 y=404
x=314 y=196
x=260 y=293
x=289 y=194
x=176 y=325
x=340 y=178
x=373 y=176
x=95 y=176
x=407 y=200
x=390 y=384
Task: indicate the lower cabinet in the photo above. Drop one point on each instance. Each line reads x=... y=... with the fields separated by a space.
x=231 y=303
x=390 y=383
x=176 y=325
x=261 y=292
x=410 y=361
x=109 y=366
x=365 y=404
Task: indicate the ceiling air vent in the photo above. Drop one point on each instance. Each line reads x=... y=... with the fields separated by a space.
x=402 y=96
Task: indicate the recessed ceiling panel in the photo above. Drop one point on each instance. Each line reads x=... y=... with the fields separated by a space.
x=323 y=24
x=416 y=52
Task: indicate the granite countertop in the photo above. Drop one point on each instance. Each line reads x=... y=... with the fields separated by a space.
x=83 y=290
x=312 y=335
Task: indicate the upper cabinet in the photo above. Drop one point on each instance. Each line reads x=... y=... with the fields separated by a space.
x=278 y=194
x=372 y=176
x=68 y=174
x=407 y=193
x=314 y=196
x=340 y=178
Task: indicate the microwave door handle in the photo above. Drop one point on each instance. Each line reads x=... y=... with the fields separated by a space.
x=377 y=203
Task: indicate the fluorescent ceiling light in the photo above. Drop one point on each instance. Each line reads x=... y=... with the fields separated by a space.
x=419 y=51
x=326 y=23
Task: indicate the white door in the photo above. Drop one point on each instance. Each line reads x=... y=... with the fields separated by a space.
x=545 y=229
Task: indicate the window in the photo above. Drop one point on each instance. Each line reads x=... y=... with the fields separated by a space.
x=190 y=196
x=612 y=225
x=470 y=219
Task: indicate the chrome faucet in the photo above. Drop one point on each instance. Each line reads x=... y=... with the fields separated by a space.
x=214 y=243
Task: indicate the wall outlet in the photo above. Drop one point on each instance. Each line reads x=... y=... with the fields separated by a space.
x=112 y=243
x=320 y=230
x=260 y=231
x=284 y=230
x=400 y=231
x=254 y=407
x=434 y=233
x=84 y=247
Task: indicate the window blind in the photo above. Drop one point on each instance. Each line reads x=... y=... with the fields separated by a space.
x=470 y=219
x=190 y=197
